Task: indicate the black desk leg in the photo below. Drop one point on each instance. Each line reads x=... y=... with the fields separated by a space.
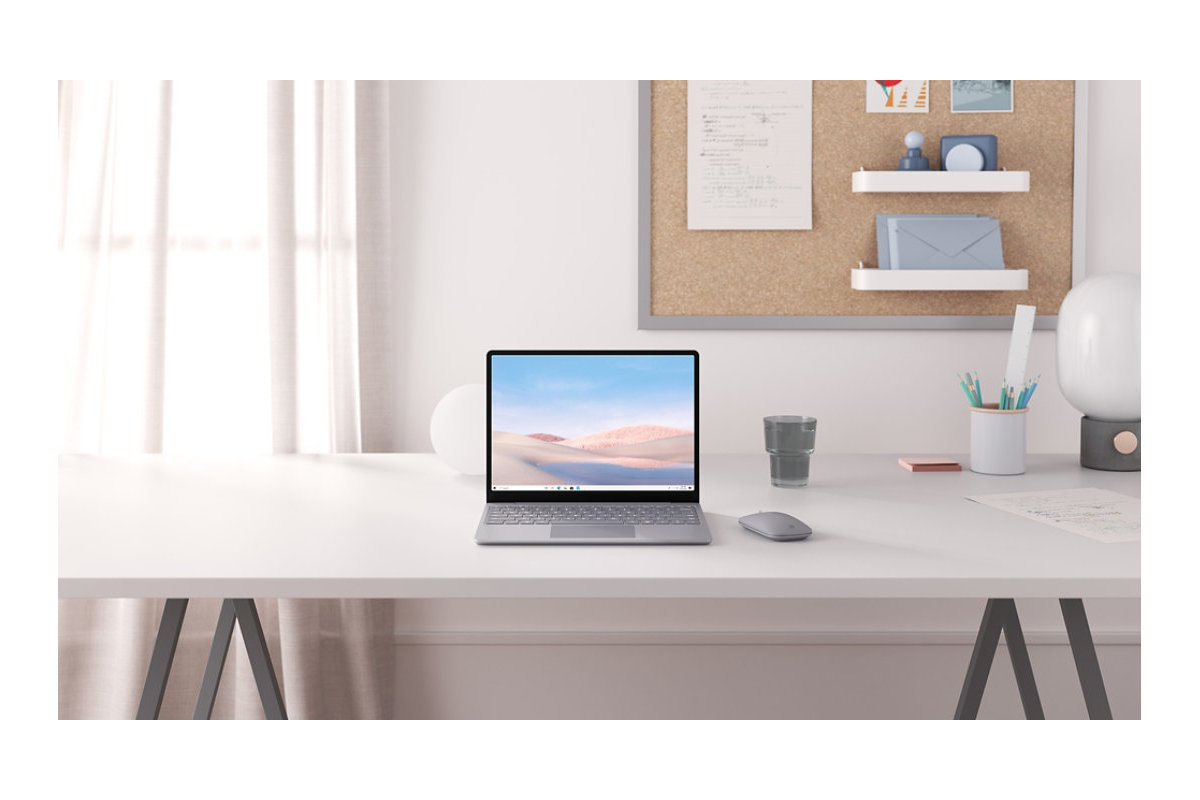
x=1086 y=663
x=246 y=614
x=981 y=663
x=1018 y=653
x=260 y=659
x=216 y=662
x=161 y=658
x=999 y=615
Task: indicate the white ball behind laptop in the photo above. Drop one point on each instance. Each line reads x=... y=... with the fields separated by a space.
x=457 y=429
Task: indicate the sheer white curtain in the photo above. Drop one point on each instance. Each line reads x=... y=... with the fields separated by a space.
x=225 y=250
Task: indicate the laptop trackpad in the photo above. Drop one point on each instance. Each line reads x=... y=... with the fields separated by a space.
x=592 y=532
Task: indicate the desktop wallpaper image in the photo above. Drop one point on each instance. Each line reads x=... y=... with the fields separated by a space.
x=592 y=420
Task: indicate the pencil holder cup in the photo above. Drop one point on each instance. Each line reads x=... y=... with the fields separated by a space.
x=997 y=440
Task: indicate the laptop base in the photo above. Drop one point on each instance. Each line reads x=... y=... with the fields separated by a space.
x=593 y=533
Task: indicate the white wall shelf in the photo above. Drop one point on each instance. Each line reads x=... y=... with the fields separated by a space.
x=939 y=280
x=939 y=181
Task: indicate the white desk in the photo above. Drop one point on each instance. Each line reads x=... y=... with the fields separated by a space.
x=401 y=526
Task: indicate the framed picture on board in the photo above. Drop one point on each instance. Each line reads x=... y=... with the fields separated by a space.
x=981 y=97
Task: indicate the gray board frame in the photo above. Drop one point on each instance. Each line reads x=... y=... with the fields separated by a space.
x=649 y=321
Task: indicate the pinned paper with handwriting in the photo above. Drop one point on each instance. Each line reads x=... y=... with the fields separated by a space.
x=1099 y=514
x=749 y=146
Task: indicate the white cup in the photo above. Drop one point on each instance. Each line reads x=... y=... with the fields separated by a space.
x=998 y=440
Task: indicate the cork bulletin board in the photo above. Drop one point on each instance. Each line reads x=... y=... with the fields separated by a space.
x=692 y=279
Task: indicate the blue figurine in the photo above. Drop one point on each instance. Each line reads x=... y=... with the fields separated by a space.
x=914 y=160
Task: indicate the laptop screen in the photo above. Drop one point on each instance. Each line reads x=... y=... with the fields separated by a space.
x=579 y=424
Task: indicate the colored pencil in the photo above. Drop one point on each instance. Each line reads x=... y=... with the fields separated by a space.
x=1011 y=399
x=1032 y=389
x=966 y=391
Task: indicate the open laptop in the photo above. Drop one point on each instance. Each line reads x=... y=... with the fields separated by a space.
x=593 y=447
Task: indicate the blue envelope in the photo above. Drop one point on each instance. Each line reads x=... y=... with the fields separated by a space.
x=883 y=240
x=942 y=242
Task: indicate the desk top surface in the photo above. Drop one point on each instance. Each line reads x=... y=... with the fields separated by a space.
x=403 y=526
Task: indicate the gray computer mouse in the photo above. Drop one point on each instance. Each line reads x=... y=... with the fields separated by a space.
x=776 y=525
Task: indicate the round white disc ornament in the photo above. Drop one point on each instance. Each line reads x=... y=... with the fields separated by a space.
x=964 y=158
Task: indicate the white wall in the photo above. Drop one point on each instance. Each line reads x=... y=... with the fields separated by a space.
x=516 y=226
x=516 y=212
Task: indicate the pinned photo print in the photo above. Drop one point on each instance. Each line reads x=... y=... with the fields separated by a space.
x=981 y=97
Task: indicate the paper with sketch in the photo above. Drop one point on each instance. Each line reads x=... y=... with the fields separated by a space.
x=1100 y=514
x=749 y=155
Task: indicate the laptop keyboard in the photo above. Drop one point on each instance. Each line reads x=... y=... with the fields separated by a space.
x=589 y=514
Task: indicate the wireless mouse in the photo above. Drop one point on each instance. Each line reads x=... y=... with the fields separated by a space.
x=776 y=525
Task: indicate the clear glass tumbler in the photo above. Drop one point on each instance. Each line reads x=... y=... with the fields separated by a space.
x=790 y=442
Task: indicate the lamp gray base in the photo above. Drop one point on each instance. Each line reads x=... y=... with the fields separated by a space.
x=1107 y=445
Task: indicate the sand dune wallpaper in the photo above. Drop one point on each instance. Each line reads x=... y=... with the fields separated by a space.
x=592 y=420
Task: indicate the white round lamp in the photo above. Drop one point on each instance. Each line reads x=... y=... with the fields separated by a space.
x=1099 y=349
x=457 y=429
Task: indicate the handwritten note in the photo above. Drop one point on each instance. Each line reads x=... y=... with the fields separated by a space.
x=1099 y=514
x=749 y=155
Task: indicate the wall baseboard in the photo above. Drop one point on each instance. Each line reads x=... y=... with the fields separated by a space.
x=862 y=675
x=736 y=638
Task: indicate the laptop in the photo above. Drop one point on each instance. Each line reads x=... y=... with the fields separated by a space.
x=593 y=447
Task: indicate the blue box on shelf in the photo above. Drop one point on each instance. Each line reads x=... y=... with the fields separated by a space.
x=969 y=153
